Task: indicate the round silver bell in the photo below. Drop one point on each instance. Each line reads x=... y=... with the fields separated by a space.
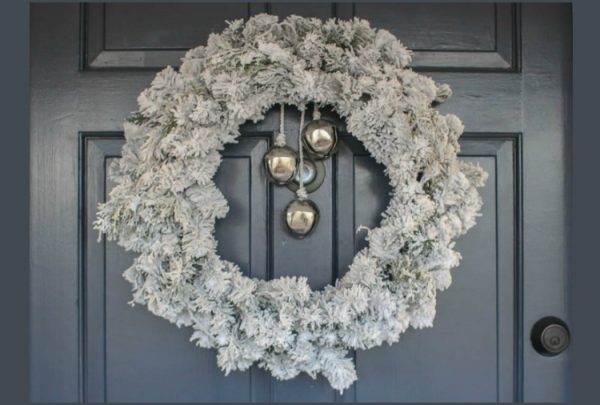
x=320 y=138
x=301 y=217
x=280 y=164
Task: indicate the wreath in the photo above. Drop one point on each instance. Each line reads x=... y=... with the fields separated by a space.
x=165 y=203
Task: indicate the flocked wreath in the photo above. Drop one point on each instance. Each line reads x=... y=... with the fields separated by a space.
x=165 y=202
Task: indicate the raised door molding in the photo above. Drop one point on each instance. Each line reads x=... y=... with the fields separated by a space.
x=469 y=37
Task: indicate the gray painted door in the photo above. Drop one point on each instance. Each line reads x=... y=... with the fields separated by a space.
x=509 y=67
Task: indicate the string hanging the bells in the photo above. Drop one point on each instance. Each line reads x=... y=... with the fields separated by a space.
x=301 y=214
x=319 y=136
x=281 y=161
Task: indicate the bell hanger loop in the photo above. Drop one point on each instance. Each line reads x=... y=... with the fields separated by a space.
x=301 y=192
x=280 y=138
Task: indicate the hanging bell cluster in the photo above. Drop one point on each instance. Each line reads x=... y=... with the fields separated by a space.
x=284 y=165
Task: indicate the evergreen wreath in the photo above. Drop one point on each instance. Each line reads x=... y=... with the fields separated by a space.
x=165 y=202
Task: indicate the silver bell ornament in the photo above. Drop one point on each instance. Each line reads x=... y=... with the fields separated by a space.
x=280 y=164
x=301 y=217
x=281 y=161
x=319 y=137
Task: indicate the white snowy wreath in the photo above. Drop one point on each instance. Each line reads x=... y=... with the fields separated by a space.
x=165 y=203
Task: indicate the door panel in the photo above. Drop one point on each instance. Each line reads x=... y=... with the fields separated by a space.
x=135 y=356
x=510 y=79
x=468 y=315
x=153 y=35
x=124 y=29
x=160 y=364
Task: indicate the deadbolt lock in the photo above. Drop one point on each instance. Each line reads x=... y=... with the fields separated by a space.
x=550 y=336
